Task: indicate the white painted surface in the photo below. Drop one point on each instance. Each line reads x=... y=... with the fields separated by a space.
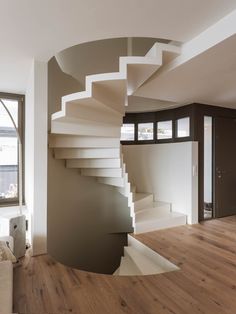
x=151 y=254
x=166 y=170
x=29 y=32
x=210 y=56
x=152 y=220
x=36 y=155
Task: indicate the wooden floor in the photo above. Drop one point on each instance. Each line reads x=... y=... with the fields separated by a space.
x=206 y=283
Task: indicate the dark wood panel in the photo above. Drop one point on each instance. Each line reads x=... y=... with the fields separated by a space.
x=205 y=283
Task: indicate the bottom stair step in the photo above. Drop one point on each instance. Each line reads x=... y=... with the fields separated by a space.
x=150 y=220
x=139 y=259
x=144 y=264
x=128 y=267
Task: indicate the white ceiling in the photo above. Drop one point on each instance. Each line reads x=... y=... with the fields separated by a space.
x=209 y=78
x=39 y=29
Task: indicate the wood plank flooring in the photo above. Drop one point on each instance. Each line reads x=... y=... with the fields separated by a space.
x=206 y=283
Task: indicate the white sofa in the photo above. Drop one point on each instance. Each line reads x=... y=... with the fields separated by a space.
x=6 y=282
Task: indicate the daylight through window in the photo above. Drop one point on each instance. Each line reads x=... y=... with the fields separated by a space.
x=8 y=151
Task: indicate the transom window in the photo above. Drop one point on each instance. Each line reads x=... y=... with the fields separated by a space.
x=9 y=158
x=183 y=127
x=145 y=131
x=127 y=132
x=164 y=130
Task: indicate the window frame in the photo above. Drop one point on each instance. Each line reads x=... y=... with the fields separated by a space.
x=183 y=138
x=129 y=141
x=21 y=123
x=146 y=141
x=166 y=140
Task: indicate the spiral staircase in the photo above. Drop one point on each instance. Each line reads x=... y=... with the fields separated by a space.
x=86 y=133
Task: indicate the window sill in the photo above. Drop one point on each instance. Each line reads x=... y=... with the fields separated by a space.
x=12 y=210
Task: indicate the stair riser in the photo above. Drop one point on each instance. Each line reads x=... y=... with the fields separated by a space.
x=143 y=203
x=112 y=173
x=119 y=182
x=93 y=163
x=160 y=209
x=84 y=130
x=86 y=153
x=159 y=224
x=95 y=114
x=83 y=142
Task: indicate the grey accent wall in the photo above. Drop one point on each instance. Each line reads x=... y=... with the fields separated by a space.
x=87 y=221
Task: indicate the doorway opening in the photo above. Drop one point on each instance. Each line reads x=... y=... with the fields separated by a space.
x=208 y=164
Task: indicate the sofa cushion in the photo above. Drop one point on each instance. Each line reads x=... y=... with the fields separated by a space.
x=5 y=253
x=6 y=287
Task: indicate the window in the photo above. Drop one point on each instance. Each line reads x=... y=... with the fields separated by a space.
x=164 y=130
x=127 y=132
x=145 y=131
x=9 y=148
x=183 y=127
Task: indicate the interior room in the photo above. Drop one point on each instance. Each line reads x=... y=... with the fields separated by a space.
x=117 y=157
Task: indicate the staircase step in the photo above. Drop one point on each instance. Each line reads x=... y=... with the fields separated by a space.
x=168 y=52
x=142 y=200
x=97 y=153
x=143 y=263
x=133 y=188
x=155 y=207
x=139 y=69
x=91 y=129
x=112 y=181
x=156 y=258
x=85 y=99
x=128 y=267
x=72 y=112
x=112 y=173
x=116 y=273
x=73 y=141
x=110 y=89
x=94 y=163
x=151 y=221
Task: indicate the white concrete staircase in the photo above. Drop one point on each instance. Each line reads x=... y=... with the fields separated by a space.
x=86 y=132
x=150 y=215
x=139 y=259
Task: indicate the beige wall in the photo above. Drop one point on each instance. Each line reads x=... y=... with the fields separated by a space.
x=169 y=171
x=82 y=214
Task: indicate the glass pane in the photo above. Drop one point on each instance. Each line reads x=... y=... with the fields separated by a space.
x=12 y=106
x=208 y=206
x=164 y=130
x=127 y=132
x=145 y=131
x=8 y=151
x=183 y=127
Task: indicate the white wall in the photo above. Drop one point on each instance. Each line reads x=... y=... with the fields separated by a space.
x=36 y=155
x=169 y=171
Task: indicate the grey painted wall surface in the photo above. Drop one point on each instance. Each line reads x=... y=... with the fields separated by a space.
x=86 y=220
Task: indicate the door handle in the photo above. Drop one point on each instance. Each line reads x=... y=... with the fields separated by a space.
x=219 y=172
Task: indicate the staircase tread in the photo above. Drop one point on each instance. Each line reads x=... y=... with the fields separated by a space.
x=154 y=206
x=128 y=267
x=140 y=196
x=144 y=264
x=150 y=215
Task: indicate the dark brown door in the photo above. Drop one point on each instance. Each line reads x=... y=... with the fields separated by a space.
x=225 y=167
